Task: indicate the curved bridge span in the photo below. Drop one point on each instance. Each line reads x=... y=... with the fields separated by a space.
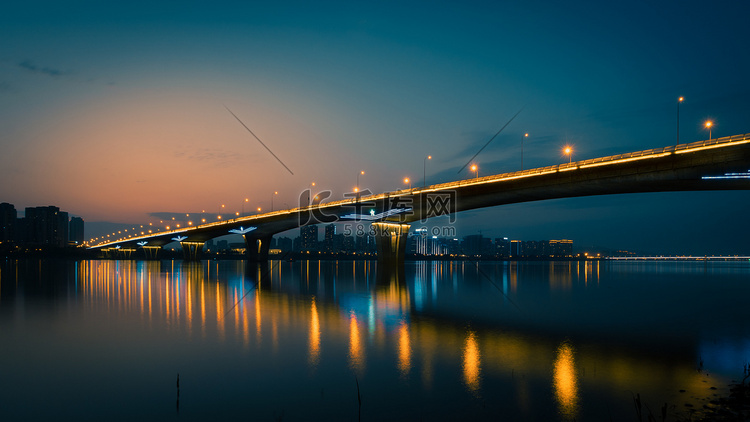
x=716 y=164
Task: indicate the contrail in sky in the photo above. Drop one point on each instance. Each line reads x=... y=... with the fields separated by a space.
x=261 y=142
x=488 y=142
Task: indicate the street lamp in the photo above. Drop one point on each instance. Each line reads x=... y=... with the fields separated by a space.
x=275 y=193
x=424 y=170
x=525 y=135
x=475 y=169
x=309 y=195
x=406 y=180
x=679 y=100
x=569 y=150
x=709 y=125
x=362 y=172
x=243 y=205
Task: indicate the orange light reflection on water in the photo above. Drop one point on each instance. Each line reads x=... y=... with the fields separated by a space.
x=379 y=325
x=314 y=352
x=566 y=381
x=404 y=349
x=471 y=362
x=356 y=352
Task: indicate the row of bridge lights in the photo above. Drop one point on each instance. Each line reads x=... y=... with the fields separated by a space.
x=112 y=237
x=474 y=168
x=567 y=150
x=125 y=235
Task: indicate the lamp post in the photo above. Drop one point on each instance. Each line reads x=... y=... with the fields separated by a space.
x=679 y=100
x=362 y=172
x=243 y=205
x=525 y=135
x=569 y=150
x=407 y=181
x=475 y=169
x=275 y=193
x=356 y=188
x=309 y=195
x=424 y=170
x=709 y=125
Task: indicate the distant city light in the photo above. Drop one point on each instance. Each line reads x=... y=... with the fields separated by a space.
x=729 y=176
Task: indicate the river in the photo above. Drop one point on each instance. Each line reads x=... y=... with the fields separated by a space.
x=345 y=341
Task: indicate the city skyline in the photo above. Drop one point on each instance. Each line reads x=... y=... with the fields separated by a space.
x=118 y=115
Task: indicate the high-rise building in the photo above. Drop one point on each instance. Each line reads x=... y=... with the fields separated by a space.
x=338 y=242
x=76 y=230
x=473 y=245
x=515 y=248
x=561 y=248
x=46 y=226
x=309 y=237
x=502 y=247
x=360 y=243
x=419 y=243
x=330 y=234
x=285 y=244
x=532 y=249
x=8 y=216
x=349 y=245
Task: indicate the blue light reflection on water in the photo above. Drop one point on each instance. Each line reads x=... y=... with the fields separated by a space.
x=442 y=340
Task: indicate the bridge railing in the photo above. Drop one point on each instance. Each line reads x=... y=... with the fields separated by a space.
x=576 y=164
x=504 y=176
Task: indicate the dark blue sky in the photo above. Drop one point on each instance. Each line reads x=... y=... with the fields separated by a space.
x=116 y=112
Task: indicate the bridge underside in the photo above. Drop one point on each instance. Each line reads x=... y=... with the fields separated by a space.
x=670 y=173
x=192 y=250
x=675 y=168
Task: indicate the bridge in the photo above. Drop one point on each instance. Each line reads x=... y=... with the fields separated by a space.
x=714 y=164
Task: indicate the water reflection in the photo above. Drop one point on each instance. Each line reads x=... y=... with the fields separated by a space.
x=566 y=388
x=356 y=351
x=471 y=362
x=314 y=352
x=404 y=349
x=408 y=327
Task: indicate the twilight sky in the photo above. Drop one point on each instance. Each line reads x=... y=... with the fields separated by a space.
x=116 y=112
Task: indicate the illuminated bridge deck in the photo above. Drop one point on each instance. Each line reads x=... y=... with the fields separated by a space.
x=716 y=164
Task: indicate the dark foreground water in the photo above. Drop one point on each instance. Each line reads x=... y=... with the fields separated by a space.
x=291 y=341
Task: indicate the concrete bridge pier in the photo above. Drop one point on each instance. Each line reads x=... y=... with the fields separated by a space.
x=124 y=253
x=151 y=252
x=390 y=240
x=192 y=250
x=257 y=247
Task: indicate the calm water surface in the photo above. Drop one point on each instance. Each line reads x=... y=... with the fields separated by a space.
x=301 y=340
